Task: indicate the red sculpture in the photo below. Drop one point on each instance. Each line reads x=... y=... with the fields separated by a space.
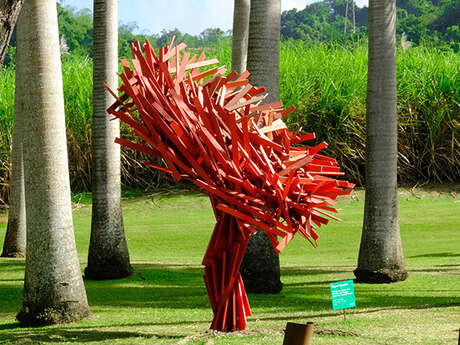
x=211 y=130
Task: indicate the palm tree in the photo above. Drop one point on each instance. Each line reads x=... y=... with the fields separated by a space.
x=264 y=46
x=9 y=12
x=240 y=35
x=381 y=257
x=261 y=268
x=15 y=239
x=53 y=286
x=108 y=256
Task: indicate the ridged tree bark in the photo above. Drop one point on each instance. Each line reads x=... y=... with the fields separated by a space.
x=263 y=59
x=15 y=239
x=261 y=268
x=53 y=285
x=9 y=12
x=381 y=257
x=108 y=256
x=240 y=35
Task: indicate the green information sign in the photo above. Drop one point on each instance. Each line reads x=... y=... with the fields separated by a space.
x=343 y=295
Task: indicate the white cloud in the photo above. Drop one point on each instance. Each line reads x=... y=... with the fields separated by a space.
x=288 y=4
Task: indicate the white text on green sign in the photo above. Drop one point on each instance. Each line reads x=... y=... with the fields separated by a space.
x=343 y=295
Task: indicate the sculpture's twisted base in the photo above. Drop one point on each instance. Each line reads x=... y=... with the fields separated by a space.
x=222 y=277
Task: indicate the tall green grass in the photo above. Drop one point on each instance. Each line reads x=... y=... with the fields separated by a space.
x=77 y=76
x=326 y=82
x=78 y=98
x=6 y=128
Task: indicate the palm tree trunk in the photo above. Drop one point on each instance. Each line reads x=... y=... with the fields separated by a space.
x=261 y=268
x=381 y=257
x=9 y=12
x=264 y=46
x=108 y=256
x=240 y=35
x=53 y=286
x=15 y=239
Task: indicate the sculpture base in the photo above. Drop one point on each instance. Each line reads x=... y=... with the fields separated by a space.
x=222 y=263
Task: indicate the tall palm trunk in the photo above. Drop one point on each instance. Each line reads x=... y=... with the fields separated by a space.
x=240 y=35
x=380 y=256
x=261 y=268
x=15 y=239
x=53 y=284
x=108 y=256
x=264 y=46
x=9 y=12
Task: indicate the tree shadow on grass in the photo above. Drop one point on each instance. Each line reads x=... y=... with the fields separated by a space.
x=153 y=286
x=301 y=271
x=12 y=264
x=449 y=265
x=305 y=273
x=355 y=312
x=180 y=287
x=56 y=335
x=436 y=255
x=436 y=270
x=316 y=300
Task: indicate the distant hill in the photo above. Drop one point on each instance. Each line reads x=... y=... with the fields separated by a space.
x=428 y=21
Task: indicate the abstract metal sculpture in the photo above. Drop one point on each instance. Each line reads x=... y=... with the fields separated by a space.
x=211 y=130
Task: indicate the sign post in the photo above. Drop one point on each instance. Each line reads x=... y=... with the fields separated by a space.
x=343 y=295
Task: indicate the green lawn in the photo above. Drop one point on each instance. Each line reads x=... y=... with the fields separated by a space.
x=165 y=300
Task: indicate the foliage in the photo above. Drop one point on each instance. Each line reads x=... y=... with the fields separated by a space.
x=126 y=37
x=77 y=28
x=165 y=300
x=324 y=21
x=326 y=82
x=210 y=37
x=10 y=56
x=433 y=22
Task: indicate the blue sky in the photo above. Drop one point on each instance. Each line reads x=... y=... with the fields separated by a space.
x=191 y=16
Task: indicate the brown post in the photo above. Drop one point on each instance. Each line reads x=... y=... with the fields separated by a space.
x=310 y=326
x=298 y=334
x=459 y=337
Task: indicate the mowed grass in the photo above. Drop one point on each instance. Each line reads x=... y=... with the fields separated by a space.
x=165 y=300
